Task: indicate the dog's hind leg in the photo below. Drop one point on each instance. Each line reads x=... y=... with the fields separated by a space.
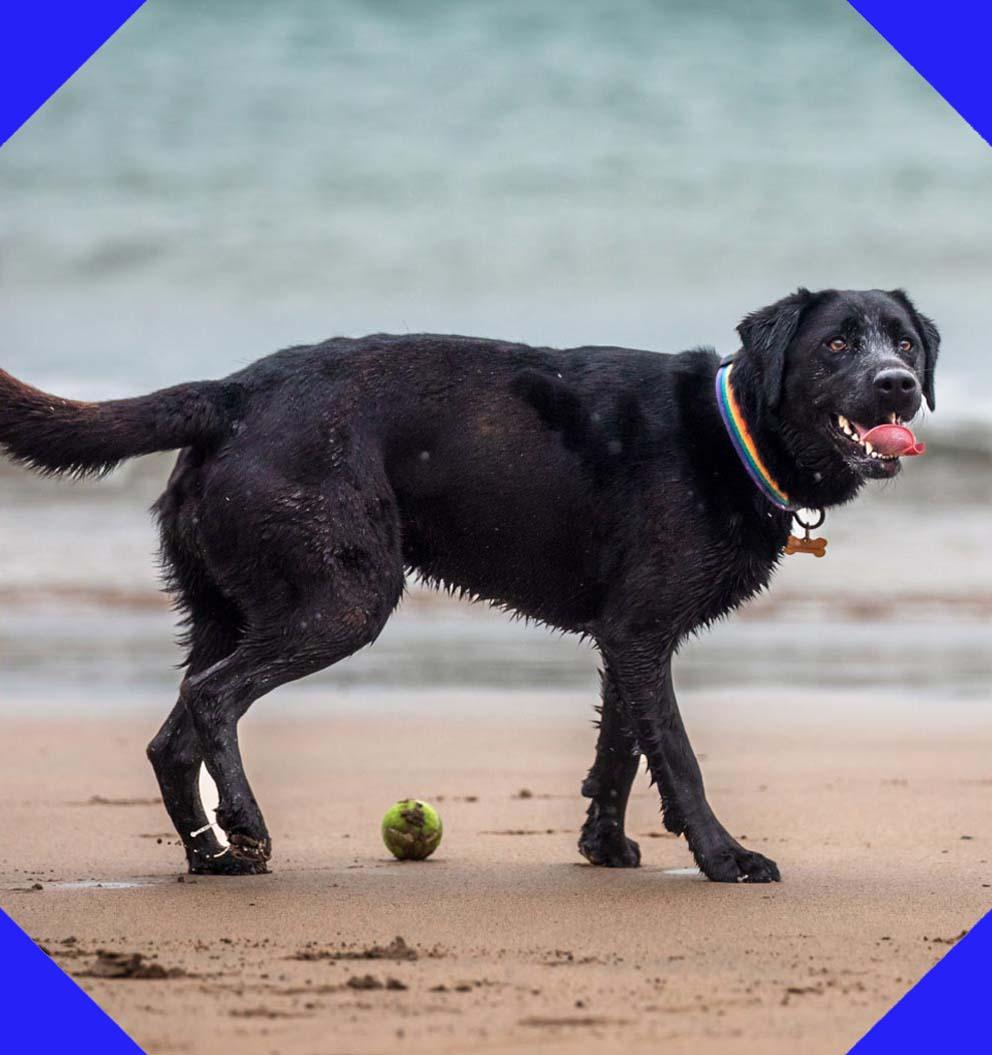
x=176 y=757
x=214 y=632
x=313 y=638
x=603 y=840
x=315 y=574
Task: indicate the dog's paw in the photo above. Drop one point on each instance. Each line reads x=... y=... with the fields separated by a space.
x=610 y=849
x=734 y=864
x=247 y=848
x=244 y=856
x=226 y=863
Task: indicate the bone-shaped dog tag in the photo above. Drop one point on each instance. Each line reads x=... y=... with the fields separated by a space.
x=816 y=546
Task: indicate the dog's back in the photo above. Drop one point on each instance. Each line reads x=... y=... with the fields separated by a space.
x=493 y=465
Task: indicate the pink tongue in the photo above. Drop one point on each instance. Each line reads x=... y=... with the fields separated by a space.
x=896 y=441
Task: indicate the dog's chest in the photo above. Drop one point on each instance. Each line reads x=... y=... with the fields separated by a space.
x=731 y=567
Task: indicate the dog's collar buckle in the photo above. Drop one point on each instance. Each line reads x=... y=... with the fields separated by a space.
x=816 y=546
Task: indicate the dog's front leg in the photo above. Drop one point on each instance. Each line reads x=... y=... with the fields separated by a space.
x=603 y=840
x=643 y=675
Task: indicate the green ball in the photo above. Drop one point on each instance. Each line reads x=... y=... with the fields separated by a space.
x=411 y=830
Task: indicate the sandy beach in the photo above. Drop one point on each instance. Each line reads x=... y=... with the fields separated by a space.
x=877 y=812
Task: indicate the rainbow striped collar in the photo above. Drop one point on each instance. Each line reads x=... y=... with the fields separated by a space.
x=743 y=442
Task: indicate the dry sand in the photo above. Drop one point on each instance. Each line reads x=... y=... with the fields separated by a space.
x=878 y=815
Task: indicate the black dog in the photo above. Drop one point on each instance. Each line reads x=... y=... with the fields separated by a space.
x=597 y=490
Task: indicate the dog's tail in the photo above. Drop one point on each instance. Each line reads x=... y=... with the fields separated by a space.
x=55 y=435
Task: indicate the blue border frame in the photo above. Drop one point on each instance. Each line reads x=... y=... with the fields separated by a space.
x=42 y=43
x=43 y=1010
x=947 y=42
x=942 y=1012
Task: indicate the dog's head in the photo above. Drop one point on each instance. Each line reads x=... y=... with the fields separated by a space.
x=832 y=380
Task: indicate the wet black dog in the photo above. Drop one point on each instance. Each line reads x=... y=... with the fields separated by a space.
x=595 y=489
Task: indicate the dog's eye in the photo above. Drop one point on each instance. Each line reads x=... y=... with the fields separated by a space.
x=905 y=345
x=837 y=344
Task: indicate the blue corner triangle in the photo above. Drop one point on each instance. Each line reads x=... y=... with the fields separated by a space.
x=43 y=43
x=43 y=1010
x=947 y=1010
x=948 y=42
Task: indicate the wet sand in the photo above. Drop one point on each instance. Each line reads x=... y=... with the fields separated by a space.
x=877 y=811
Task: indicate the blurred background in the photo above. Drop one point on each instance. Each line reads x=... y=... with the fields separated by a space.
x=223 y=180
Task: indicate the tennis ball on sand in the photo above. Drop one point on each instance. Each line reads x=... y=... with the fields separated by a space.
x=411 y=830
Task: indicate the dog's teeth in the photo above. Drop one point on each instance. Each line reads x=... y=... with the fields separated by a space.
x=843 y=422
x=893 y=418
x=869 y=448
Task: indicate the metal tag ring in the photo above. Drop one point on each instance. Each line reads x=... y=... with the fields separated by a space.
x=816 y=523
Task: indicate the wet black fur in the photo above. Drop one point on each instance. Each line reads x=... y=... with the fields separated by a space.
x=592 y=489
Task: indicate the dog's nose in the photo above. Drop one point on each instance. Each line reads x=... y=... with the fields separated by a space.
x=898 y=390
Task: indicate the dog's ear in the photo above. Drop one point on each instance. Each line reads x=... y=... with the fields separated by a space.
x=765 y=337
x=930 y=336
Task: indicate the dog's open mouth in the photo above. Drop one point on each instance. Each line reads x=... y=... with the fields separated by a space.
x=887 y=441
